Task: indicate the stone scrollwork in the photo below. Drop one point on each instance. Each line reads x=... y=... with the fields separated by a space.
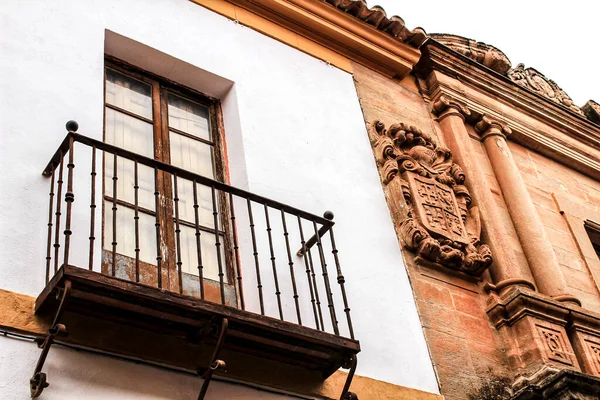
x=442 y=226
x=482 y=53
x=534 y=80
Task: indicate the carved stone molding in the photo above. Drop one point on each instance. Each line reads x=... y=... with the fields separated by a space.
x=444 y=106
x=591 y=109
x=584 y=333
x=563 y=385
x=554 y=344
x=482 y=53
x=546 y=335
x=377 y=17
x=441 y=225
x=487 y=126
x=484 y=124
x=594 y=348
x=535 y=81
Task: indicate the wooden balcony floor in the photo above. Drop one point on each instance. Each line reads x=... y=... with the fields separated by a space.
x=138 y=321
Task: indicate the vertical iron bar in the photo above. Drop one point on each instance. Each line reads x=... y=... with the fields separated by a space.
x=136 y=219
x=291 y=264
x=314 y=282
x=58 y=212
x=328 y=292
x=218 y=244
x=115 y=178
x=255 y=253
x=177 y=233
x=49 y=245
x=341 y=280
x=198 y=242
x=92 y=209
x=273 y=264
x=310 y=285
x=69 y=199
x=157 y=225
x=236 y=252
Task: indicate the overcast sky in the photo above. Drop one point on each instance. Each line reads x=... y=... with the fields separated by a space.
x=559 y=39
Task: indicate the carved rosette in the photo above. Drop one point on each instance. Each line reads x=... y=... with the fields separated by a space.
x=441 y=225
x=534 y=80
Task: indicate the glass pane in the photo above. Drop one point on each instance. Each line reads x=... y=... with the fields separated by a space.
x=191 y=155
x=125 y=181
x=126 y=233
x=189 y=254
x=129 y=133
x=185 y=191
x=128 y=94
x=188 y=117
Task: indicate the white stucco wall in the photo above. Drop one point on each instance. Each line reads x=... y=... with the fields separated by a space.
x=294 y=132
x=105 y=378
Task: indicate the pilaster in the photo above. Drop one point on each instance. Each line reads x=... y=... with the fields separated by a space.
x=532 y=234
x=506 y=271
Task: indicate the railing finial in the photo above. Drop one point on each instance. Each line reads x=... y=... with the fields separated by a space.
x=72 y=126
x=328 y=215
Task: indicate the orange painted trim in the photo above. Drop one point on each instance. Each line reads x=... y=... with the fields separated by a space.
x=322 y=31
x=16 y=315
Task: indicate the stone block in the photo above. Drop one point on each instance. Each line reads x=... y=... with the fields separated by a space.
x=536 y=326
x=584 y=333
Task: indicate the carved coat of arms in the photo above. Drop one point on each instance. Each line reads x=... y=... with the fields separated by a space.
x=440 y=224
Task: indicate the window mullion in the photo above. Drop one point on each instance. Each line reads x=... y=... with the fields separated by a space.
x=165 y=213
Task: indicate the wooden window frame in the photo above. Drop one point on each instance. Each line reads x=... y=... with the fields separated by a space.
x=160 y=87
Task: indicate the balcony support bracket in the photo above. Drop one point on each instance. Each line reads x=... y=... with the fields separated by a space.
x=38 y=381
x=215 y=364
x=346 y=394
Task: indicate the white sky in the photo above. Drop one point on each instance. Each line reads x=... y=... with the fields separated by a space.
x=558 y=38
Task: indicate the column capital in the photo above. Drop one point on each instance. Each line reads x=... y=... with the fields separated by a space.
x=445 y=106
x=488 y=126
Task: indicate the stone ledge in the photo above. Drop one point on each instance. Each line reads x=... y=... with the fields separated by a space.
x=547 y=333
x=506 y=309
x=564 y=385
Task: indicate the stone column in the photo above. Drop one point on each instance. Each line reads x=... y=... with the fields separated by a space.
x=506 y=271
x=532 y=235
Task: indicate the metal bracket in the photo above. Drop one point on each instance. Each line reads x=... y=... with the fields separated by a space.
x=215 y=362
x=313 y=239
x=38 y=381
x=346 y=394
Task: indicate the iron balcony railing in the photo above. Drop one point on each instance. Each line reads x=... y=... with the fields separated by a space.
x=248 y=245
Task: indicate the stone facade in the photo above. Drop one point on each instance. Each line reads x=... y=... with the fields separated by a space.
x=527 y=327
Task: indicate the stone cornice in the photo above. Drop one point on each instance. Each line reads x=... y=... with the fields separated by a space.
x=565 y=384
x=377 y=17
x=533 y=80
x=518 y=302
x=573 y=140
x=441 y=58
x=483 y=53
x=365 y=36
x=591 y=109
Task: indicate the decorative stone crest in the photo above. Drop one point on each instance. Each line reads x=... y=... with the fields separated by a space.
x=534 y=80
x=441 y=225
x=480 y=52
x=591 y=110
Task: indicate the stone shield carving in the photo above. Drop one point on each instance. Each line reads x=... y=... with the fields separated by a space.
x=440 y=225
